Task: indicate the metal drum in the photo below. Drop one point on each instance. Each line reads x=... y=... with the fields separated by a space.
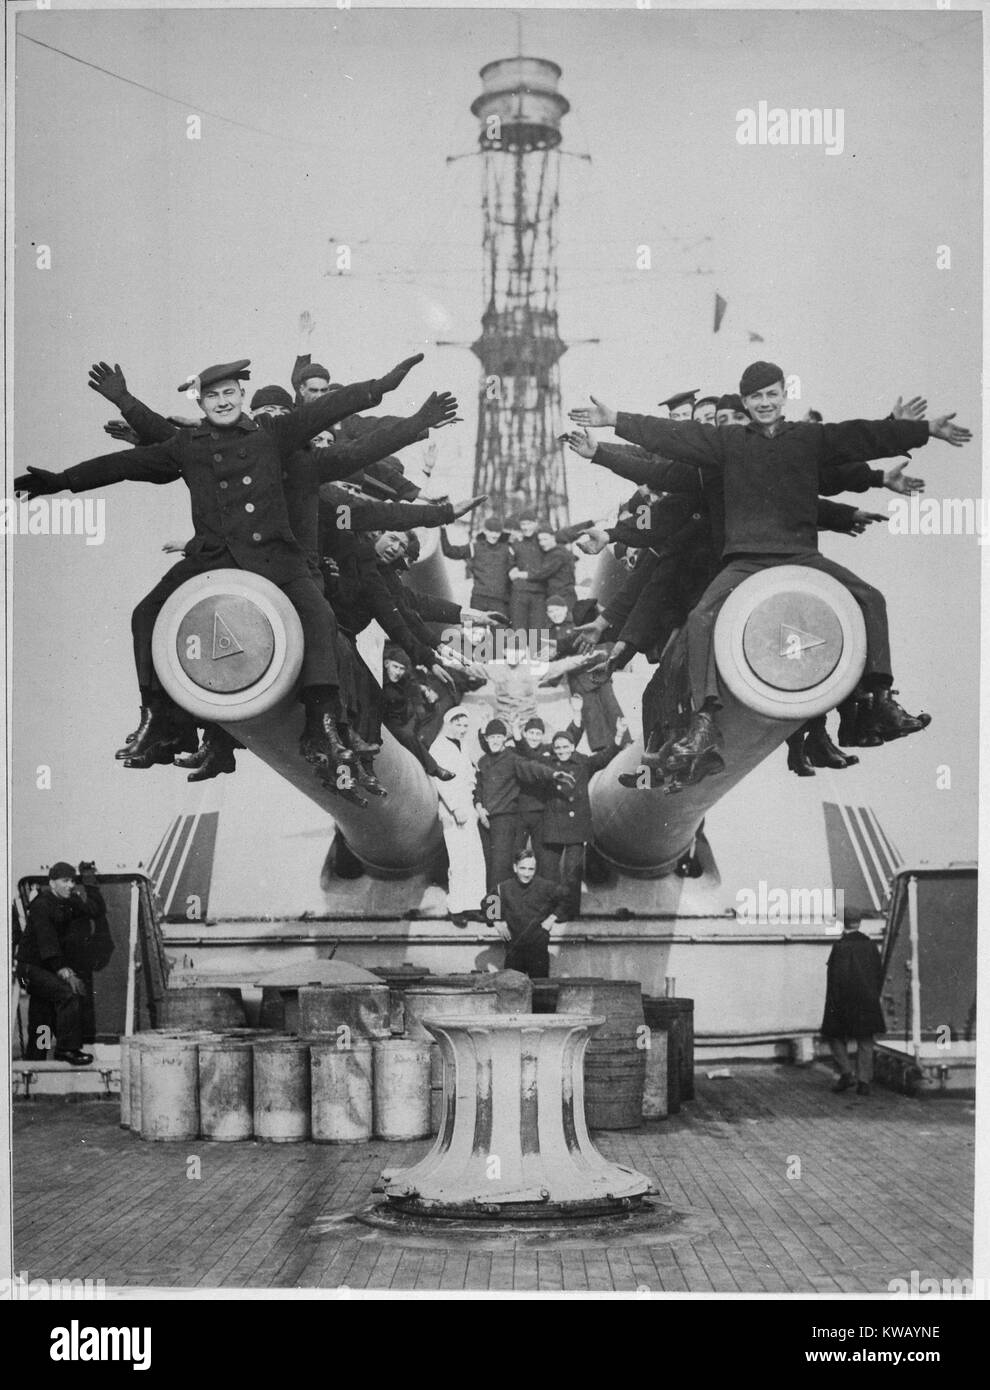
x=345 y=1013
x=202 y=1007
x=402 y=1089
x=281 y=1090
x=169 y=1089
x=340 y=1080
x=225 y=1090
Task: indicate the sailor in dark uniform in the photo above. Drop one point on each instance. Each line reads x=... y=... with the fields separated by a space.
x=680 y=405
x=233 y=469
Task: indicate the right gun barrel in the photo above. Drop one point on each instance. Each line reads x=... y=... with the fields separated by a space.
x=790 y=644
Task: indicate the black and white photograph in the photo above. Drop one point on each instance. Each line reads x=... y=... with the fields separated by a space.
x=479 y=821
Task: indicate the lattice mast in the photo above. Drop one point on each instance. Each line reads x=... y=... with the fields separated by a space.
x=518 y=460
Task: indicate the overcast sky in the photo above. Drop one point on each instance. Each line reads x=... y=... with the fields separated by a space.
x=323 y=126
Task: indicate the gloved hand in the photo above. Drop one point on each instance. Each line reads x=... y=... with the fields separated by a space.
x=120 y=429
x=438 y=409
x=108 y=381
x=398 y=374
x=38 y=482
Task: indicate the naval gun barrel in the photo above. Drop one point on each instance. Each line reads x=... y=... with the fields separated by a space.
x=228 y=649
x=789 y=644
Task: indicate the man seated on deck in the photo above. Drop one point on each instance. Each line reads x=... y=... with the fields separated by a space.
x=763 y=479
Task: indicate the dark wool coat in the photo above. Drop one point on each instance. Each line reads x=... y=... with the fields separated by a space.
x=852 y=998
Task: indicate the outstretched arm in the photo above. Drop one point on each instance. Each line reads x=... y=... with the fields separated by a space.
x=341 y=460
x=155 y=463
x=148 y=425
x=301 y=424
x=676 y=439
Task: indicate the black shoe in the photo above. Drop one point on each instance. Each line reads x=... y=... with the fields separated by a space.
x=442 y=775
x=357 y=744
x=153 y=720
x=74 y=1058
x=854 y=714
x=703 y=736
x=820 y=751
x=636 y=782
x=843 y=1083
x=340 y=779
x=322 y=746
x=215 y=762
x=459 y=919
x=197 y=759
x=364 y=775
x=889 y=721
x=862 y=1088
x=708 y=764
x=122 y=753
x=798 y=761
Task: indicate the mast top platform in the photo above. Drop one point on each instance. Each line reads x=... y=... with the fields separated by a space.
x=521 y=93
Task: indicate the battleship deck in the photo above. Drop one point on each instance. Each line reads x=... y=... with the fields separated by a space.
x=790 y=1189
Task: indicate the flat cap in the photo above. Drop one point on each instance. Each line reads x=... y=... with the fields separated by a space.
x=672 y=402
x=729 y=402
x=62 y=870
x=271 y=395
x=307 y=372
x=223 y=371
x=759 y=375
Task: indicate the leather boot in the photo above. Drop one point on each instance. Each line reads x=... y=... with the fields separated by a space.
x=152 y=745
x=197 y=759
x=889 y=721
x=364 y=775
x=322 y=746
x=356 y=743
x=707 y=764
x=217 y=760
x=853 y=716
x=821 y=751
x=798 y=761
x=122 y=753
x=341 y=780
x=147 y=714
x=703 y=736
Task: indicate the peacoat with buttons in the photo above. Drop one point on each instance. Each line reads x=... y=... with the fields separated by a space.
x=567 y=818
x=234 y=476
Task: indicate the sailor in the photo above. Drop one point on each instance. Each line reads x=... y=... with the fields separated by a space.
x=852 y=1003
x=527 y=906
x=537 y=564
x=680 y=405
x=233 y=469
x=502 y=772
x=488 y=560
x=704 y=410
x=567 y=821
x=729 y=410
x=591 y=688
x=766 y=478
x=53 y=957
x=529 y=741
x=459 y=818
